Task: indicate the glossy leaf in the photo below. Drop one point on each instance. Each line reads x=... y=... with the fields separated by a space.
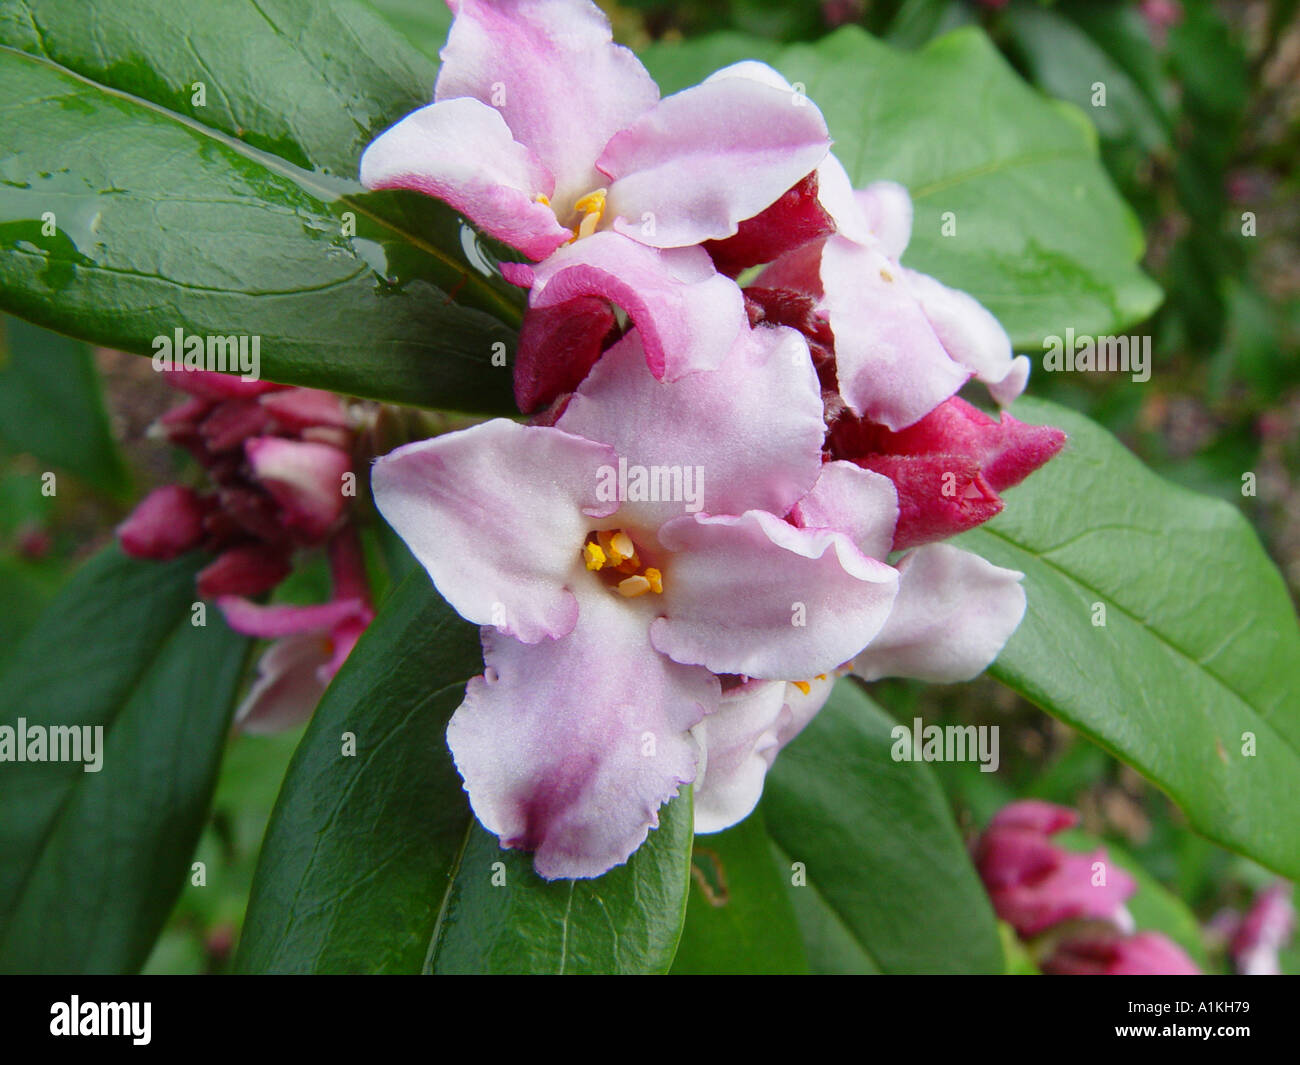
x=1157 y=626
x=1041 y=237
x=373 y=862
x=500 y=917
x=93 y=861
x=52 y=406
x=128 y=211
x=739 y=918
x=878 y=846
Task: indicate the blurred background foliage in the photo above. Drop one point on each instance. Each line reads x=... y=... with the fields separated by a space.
x=1201 y=132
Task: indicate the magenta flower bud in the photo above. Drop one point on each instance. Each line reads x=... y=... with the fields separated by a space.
x=306 y=479
x=208 y=384
x=1034 y=884
x=166 y=523
x=948 y=467
x=248 y=570
x=297 y=409
x=1263 y=932
x=232 y=422
x=1102 y=952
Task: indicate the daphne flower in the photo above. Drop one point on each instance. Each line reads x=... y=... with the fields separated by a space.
x=1034 y=884
x=903 y=342
x=1092 y=951
x=607 y=620
x=309 y=645
x=543 y=133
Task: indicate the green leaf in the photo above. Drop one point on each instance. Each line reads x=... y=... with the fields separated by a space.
x=1068 y=59
x=878 y=846
x=1200 y=644
x=95 y=860
x=739 y=918
x=500 y=917
x=374 y=863
x=127 y=212
x=1042 y=238
x=312 y=83
x=52 y=407
x=424 y=23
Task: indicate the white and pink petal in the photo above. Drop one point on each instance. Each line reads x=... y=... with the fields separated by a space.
x=568 y=748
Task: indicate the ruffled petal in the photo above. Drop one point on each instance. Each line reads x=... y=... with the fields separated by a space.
x=739 y=742
x=851 y=500
x=755 y=596
x=953 y=614
x=461 y=152
x=569 y=747
x=749 y=433
x=551 y=67
x=687 y=313
x=887 y=209
x=969 y=333
x=891 y=365
x=497 y=514
x=707 y=158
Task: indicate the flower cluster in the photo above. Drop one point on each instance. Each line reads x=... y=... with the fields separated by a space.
x=693 y=536
x=276 y=458
x=1069 y=907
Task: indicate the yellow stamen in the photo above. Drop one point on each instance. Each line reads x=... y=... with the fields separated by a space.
x=592 y=208
x=543 y=199
x=802 y=685
x=656 y=580
x=612 y=553
x=622 y=543
x=594 y=555
x=629 y=565
x=821 y=676
x=886 y=276
x=631 y=587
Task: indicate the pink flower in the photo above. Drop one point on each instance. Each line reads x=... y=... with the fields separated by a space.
x=1034 y=884
x=903 y=342
x=275 y=456
x=544 y=133
x=607 y=619
x=1107 y=952
x=1264 y=931
x=310 y=643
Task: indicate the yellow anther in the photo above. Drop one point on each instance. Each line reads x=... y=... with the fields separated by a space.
x=622 y=543
x=821 y=676
x=656 y=580
x=886 y=276
x=631 y=587
x=592 y=208
x=594 y=555
x=543 y=199
x=612 y=553
x=802 y=685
